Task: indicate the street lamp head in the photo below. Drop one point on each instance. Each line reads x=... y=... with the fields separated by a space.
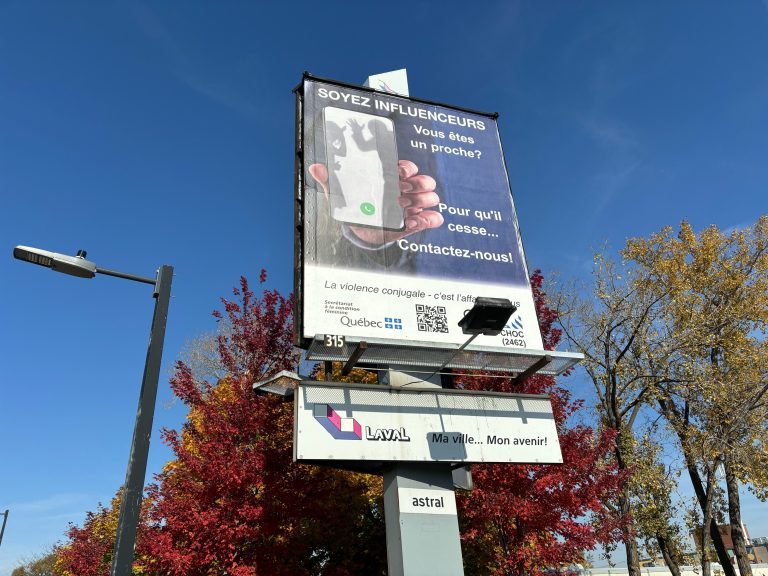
x=488 y=316
x=283 y=384
x=72 y=265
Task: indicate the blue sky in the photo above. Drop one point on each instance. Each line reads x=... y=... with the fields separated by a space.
x=162 y=133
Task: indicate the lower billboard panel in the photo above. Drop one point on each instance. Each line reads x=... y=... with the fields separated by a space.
x=366 y=304
x=379 y=423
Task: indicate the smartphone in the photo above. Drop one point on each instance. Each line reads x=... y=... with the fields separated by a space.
x=363 y=176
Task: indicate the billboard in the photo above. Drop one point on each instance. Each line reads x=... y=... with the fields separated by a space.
x=376 y=423
x=404 y=216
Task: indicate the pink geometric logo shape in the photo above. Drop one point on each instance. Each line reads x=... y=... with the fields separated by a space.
x=337 y=426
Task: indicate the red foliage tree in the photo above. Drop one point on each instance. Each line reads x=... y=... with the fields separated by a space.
x=89 y=549
x=233 y=502
x=523 y=519
x=87 y=553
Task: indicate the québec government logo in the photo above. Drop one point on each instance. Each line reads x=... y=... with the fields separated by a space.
x=390 y=323
x=342 y=428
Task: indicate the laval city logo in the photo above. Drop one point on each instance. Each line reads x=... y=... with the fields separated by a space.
x=342 y=428
x=338 y=427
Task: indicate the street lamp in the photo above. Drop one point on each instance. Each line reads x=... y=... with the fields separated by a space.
x=283 y=384
x=5 y=519
x=122 y=557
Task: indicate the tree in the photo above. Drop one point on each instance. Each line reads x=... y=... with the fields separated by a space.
x=682 y=325
x=654 y=512
x=89 y=549
x=522 y=519
x=41 y=565
x=233 y=502
x=201 y=355
x=613 y=329
x=716 y=313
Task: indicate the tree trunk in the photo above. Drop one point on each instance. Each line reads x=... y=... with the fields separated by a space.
x=714 y=533
x=734 y=515
x=706 y=565
x=673 y=416
x=666 y=553
x=630 y=544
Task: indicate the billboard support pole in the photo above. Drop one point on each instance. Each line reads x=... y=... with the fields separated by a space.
x=342 y=260
x=421 y=538
x=418 y=542
x=2 y=530
x=421 y=543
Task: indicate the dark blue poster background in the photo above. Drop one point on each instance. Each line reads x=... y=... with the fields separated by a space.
x=475 y=237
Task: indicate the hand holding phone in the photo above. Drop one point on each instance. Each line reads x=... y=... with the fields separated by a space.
x=363 y=177
x=418 y=195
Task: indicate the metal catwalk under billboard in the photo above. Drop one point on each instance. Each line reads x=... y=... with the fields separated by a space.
x=405 y=217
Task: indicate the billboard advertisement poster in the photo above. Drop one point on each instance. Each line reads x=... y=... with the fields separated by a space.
x=405 y=216
x=376 y=423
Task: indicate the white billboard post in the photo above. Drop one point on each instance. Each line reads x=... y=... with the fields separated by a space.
x=404 y=218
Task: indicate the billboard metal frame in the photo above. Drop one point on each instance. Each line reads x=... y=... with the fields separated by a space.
x=300 y=339
x=381 y=351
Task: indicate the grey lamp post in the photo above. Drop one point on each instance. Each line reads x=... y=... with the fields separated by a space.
x=122 y=558
x=2 y=530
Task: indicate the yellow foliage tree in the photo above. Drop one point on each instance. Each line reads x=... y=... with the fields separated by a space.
x=713 y=369
x=41 y=565
x=654 y=512
x=614 y=328
x=89 y=549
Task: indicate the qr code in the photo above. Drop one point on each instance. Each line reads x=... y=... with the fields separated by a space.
x=431 y=318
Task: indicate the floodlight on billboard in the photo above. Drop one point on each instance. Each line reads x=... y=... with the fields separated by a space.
x=404 y=216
